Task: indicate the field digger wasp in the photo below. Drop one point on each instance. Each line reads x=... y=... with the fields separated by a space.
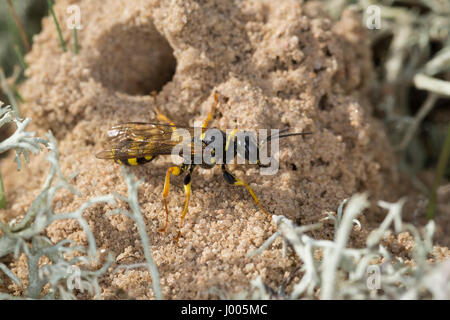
x=137 y=143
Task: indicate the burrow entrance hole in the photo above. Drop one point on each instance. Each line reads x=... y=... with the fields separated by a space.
x=135 y=60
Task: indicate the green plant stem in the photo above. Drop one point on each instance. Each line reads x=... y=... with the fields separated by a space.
x=19 y=25
x=19 y=54
x=440 y=170
x=18 y=95
x=9 y=94
x=75 y=40
x=63 y=43
x=2 y=194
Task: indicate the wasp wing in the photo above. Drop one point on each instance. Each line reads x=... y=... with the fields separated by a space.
x=127 y=149
x=141 y=139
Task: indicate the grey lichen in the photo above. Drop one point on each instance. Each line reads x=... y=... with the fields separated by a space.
x=27 y=236
x=346 y=273
x=135 y=214
x=23 y=142
x=71 y=266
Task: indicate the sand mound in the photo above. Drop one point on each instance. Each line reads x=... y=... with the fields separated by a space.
x=274 y=64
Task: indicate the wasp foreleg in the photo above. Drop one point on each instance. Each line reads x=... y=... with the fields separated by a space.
x=231 y=179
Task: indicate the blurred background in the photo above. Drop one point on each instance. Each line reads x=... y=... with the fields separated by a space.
x=30 y=13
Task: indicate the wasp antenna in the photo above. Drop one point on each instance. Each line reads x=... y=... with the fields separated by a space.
x=283 y=130
x=294 y=134
x=284 y=135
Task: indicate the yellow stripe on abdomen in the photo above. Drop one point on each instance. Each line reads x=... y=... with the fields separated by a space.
x=132 y=161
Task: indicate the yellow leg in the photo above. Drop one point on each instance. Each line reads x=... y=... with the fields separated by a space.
x=230 y=137
x=187 y=191
x=176 y=171
x=159 y=115
x=162 y=117
x=255 y=198
x=211 y=112
x=231 y=179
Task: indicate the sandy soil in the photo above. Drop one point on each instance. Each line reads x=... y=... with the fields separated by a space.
x=275 y=64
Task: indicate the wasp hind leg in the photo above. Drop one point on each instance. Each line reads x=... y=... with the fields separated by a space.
x=231 y=179
x=159 y=115
x=187 y=191
x=211 y=112
x=176 y=171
